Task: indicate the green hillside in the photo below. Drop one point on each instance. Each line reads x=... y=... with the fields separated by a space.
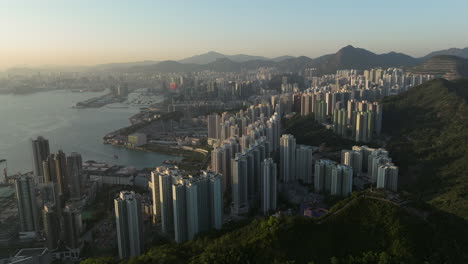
x=429 y=129
x=361 y=229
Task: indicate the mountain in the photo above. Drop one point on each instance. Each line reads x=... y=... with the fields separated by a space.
x=121 y=65
x=446 y=66
x=350 y=57
x=362 y=229
x=213 y=56
x=281 y=58
x=428 y=126
x=463 y=53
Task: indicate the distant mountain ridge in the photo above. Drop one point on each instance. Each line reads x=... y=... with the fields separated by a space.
x=348 y=57
x=463 y=53
x=212 y=56
x=446 y=66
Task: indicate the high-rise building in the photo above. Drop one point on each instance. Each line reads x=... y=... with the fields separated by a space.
x=375 y=159
x=216 y=198
x=166 y=202
x=213 y=126
x=288 y=158
x=75 y=174
x=40 y=150
x=154 y=186
x=180 y=212
x=198 y=205
x=240 y=203
x=269 y=186
x=304 y=164
x=129 y=222
x=387 y=177
x=51 y=221
x=341 y=180
x=72 y=227
x=27 y=204
x=323 y=175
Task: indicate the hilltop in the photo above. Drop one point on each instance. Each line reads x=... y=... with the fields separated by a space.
x=446 y=66
x=428 y=126
x=463 y=53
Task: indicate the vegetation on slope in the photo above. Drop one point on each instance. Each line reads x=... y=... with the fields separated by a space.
x=360 y=229
x=309 y=132
x=429 y=129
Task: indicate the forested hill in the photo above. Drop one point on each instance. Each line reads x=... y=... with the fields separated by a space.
x=360 y=229
x=429 y=130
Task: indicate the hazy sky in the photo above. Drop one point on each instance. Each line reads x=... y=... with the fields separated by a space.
x=84 y=32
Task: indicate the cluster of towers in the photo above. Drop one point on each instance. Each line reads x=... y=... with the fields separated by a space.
x=186 y=205
x=352 y=118
x=375 y=163
x=59 y=178
x=244 y=144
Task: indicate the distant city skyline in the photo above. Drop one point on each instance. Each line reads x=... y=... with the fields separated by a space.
x=36 y=33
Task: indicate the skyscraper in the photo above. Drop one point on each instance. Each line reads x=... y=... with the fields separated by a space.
x=288 y=158
x=40 y=150
x=387 y=177
x=72 y=226
x=166 y=202
x=341 y=180
x=240 y=203
x=213 y=126
x=323 y=175
x=129 y=224
x=51 y=221
x=216 y=199
x=75 y=174
x=304 y=164
x=269 y=186
x=180 y=212
x=27 y=204
x=154 y=186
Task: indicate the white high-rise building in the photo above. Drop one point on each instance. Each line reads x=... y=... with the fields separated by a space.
x=288 y=158
x=27 y=204
x=129 y=222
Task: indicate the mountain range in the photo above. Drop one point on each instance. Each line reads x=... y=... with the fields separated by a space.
x=212 y=56
x=346 y=58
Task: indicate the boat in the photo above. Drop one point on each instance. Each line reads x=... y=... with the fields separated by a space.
x=170 y=162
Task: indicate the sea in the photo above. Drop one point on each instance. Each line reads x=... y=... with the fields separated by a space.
x=51 y=115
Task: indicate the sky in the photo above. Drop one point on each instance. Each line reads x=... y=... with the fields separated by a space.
x=87 y=32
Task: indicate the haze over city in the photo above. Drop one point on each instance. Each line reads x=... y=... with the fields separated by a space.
x=36 y=33
x=285 y=132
